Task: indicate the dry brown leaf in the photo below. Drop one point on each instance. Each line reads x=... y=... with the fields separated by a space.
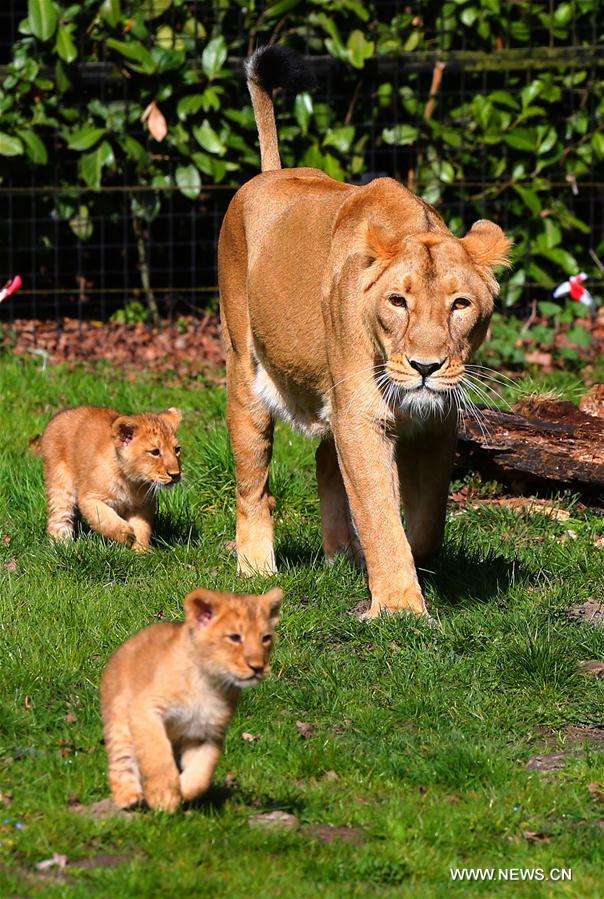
x=11 y=565
x=56 y=861
x=330 y=775
x=305 y=730
x=249 y=738
x=155 y=121
x=596 y=791
x=533 y=836
x=593 y=668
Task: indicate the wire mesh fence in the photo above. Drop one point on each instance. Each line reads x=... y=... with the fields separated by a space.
x=90 y=267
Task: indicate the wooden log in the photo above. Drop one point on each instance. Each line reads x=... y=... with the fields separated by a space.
x=541 y=447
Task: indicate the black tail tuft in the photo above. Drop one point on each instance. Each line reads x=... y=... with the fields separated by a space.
x=272 y=67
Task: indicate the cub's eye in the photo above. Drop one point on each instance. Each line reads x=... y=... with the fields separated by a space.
x=460 y=303
x=397 y=300
x=155 y=452
x=234 y=638
x=268 y=638
x=177 y=450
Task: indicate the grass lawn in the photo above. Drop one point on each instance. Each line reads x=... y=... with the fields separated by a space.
x=420 y=737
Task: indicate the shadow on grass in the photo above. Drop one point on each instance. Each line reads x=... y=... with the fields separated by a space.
x=460 y=575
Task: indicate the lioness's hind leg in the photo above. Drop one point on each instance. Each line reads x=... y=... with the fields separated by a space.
x=339 y=534
x=251 y=429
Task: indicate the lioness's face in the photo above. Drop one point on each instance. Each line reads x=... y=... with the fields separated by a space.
x=429 y=308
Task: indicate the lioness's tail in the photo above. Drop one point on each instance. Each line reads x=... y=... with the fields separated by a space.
x=267 y=69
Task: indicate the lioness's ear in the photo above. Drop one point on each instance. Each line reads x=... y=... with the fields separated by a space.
x=486 y=244
x=123 y=430
x=379 y=243
x=272 y=603
x=201 y=606
x=172 y=417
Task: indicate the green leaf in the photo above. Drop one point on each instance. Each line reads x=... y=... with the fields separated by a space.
x=111 y=12
x=10 y=146
x=562 y=258
x=34 y=147
x=189 y=105
x=188 y=180
x=84 y=138
x=42 y=17
x=579 y=336
x=91 y=165
x=134 y=52
x=207 y=138
x=133 y=149
x=278 y=9
x=303 y=108
x=152 y=9
x=64 y=44
x=81 y=224
x=359 y=49
x=62 y=81
x=400 y=135
x=529 y=198
x=521 y=139
x=214 y=56
x=549 y=310
x=340 y=138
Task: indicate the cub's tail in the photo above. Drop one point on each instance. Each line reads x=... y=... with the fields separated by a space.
x=267 y=69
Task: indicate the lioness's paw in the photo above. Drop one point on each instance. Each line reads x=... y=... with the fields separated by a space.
x=127 y=795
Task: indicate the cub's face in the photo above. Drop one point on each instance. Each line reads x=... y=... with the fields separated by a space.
x=148 y=448
x=233 y=635
x=428 y=303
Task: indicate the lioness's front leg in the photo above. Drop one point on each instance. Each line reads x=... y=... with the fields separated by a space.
x=251 y=430
x=367 y=463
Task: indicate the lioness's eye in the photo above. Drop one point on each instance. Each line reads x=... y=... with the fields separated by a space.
x=234 y=638
x=155 y=452
x=460 y=303
x=267 y=638
x=398 y=300
x=177 y=450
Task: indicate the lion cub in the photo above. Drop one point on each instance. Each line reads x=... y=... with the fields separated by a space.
x=169 y=692
x=110 y=467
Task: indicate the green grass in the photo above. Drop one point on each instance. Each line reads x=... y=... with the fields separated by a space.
x=428 y=730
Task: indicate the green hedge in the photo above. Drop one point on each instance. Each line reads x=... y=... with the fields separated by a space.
x=519 y=143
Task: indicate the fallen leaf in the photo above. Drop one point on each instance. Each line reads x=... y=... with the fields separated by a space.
x=70 y=718
x=593 y=401
x=7 y=539
x=57 y=861
x=305 y=730
x=593 y=668
x=452 y=799
x=330 y=775
x=249 y=738
x=534 y=837
x=27 y=703
x=155 y=121
x=278 y=820
x=11 y=565
x=362 y=606
x=6 y=800
x=230 y=779
x=590 y=611
x=596 y=791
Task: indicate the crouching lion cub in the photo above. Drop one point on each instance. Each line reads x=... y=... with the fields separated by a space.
x=350 y=312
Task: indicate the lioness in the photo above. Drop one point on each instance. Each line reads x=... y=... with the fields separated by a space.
x=349 y=312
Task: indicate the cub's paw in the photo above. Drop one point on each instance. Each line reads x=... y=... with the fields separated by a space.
x=163 y=794
x=126 y=795
x=140 y=547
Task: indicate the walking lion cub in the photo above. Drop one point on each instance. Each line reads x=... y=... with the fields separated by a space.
x=110 y=467
x=169 y=693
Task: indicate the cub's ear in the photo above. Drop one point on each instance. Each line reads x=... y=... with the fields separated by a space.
x=272 y=603
x=172 y=417
x=123 y=430
x=486 y=244
x=201 y=606
x=380 y=243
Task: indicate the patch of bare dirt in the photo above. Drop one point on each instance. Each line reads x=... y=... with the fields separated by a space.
x=571 y=742
x=104 y=808
x=329 y=833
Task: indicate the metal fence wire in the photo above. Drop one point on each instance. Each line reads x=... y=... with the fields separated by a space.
x=174 y=254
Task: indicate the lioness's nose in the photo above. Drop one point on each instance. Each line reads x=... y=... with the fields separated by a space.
x=425 y=368
x=175 y=475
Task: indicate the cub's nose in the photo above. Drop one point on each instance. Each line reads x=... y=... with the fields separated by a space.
x=257 y=669
x=425 y=369
x=175 y=475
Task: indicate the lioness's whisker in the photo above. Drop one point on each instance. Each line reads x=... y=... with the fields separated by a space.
x=497 y=374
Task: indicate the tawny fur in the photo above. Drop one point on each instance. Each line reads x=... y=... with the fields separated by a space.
x=169 y=693
x=308 y=270
x=110 y=467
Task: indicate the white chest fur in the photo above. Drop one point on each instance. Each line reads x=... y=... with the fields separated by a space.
x=203 y=715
